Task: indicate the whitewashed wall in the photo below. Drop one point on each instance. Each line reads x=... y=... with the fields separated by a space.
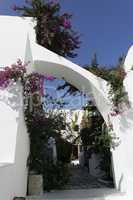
x=123 y=126
x=13 y=177
x=14 y=144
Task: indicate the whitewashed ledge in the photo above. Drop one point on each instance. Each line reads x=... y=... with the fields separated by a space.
x=5 y=164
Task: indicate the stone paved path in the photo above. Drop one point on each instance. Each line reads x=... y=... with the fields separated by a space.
x=82 y=186
x=80 y=179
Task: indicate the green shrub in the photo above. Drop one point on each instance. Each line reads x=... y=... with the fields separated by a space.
x=55 y=176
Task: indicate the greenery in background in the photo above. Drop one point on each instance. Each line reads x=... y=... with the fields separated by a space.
x=55 y=176
x=114 y=75
x=97 y=138
x=42 y=124
x=53 y=28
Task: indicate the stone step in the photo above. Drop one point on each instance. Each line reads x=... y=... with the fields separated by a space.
x=91 y=194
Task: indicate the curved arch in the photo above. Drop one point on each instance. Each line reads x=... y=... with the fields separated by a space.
x=45 y=61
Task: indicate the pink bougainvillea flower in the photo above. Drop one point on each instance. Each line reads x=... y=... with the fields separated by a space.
x=14 y=72
x=32 y=83
x=49 y=77
x=67 y=24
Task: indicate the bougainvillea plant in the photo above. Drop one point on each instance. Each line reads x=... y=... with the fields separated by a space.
x=118 y=96
x=53 y=29
x=17 y=72
x=115 y=77
x=41 y=124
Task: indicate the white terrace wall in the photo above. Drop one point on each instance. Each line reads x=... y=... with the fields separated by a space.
x=14 y=143
x=17 y=40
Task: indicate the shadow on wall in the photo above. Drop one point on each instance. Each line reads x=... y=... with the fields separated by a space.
x=12 y=96
x=126 y=121
x=120 y=182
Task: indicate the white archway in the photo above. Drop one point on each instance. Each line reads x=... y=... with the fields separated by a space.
x=17 y=39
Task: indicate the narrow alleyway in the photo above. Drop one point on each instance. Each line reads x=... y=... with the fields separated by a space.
x=80 y=179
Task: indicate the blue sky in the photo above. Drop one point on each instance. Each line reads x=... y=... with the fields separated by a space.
x=106 y=26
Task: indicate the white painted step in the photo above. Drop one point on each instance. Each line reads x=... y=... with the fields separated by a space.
x=91 y=194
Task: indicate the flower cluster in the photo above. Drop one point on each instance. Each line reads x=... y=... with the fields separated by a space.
x=15 y=72
x=115 y=112
x=53 y=30
x=65 y=20
x=35 y=82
